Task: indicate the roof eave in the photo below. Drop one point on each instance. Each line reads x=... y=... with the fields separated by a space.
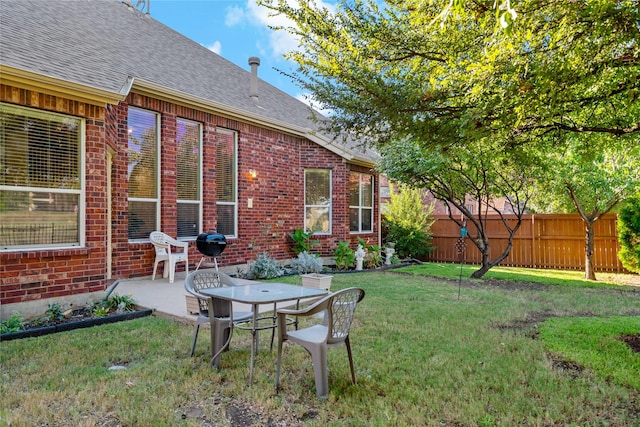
x=13 y=76
x=157 y=91
x=79 y=92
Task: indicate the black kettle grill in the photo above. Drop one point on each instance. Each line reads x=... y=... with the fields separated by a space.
x=211 y=245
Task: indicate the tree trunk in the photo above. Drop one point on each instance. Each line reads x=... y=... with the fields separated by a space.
x=589 y=274
x=486 y=262
x=479 y=273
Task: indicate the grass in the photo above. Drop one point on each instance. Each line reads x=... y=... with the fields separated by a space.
x=544 y=276
x=422 y=357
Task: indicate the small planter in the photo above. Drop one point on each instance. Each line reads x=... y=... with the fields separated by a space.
x=316 y=280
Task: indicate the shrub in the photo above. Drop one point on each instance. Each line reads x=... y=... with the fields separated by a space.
x=344 y=256
x=302 y=241
x=13 y=324
x=115 y=302
x=264 y=268
x=629 y=234
x=100 y=311
x=54 y=312
x=307 y=263
x=373 y=257
x=121 y=303
x=408 y=223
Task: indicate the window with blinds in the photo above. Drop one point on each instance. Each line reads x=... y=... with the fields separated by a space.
x=360 y=203
x=189 y=184
x=41 y=179
x=227 y=181
x=143 y=173
x=317 y=200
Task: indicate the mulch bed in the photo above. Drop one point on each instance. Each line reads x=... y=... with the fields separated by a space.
x=78 y=319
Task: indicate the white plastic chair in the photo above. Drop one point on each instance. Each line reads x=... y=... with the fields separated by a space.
x=214 y=311
x=339 y=308
x=166 y=253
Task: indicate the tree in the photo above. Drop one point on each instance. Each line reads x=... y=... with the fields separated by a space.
x=629 y=234
x=408 y=222
x=481 y=170
x=590 y=175
x=388 y=74
x=568 y=67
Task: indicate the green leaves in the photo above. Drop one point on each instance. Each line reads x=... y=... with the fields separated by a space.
x=629 y=234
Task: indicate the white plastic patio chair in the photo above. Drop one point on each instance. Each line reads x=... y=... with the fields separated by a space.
x=339 y=308
x=170 y=251
x=212 y=310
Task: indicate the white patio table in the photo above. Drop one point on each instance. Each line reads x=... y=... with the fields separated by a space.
x=256 y=295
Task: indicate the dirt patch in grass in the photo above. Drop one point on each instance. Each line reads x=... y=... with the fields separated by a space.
x=572 y=369
x=529 y=323
x=632 y=341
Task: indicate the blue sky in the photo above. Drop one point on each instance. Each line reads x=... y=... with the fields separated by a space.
x=235 y=30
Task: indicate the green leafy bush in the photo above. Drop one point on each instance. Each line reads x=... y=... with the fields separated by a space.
x=100 y=311
x=407 y=223
x=121 y=303
x=54 y=312
x=13 y=324
x=373 y=257
x=629 y=235
x=302 y=241
x=344 y=256
x=115 y=302
x=264 y=268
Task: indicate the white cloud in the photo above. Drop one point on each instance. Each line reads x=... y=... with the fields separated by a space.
x=235 y=15
x=311 y=102
x=215 y=47
x=280 y=41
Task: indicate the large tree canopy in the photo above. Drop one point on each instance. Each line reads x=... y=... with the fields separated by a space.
x=389 y=71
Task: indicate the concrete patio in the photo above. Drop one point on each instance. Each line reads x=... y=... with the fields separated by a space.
x=169 y=299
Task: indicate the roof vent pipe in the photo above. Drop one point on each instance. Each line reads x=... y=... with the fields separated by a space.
x=254 y=62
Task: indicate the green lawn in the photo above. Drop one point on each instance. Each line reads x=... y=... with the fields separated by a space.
x=542 y=355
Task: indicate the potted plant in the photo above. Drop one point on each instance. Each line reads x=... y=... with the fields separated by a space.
x=310 y=269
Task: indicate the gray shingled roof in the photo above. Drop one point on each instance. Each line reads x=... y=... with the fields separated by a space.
x=103 y=43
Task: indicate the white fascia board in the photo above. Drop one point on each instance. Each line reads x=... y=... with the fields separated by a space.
x=38 y=82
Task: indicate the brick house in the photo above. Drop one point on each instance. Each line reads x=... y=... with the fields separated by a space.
x=112 y=125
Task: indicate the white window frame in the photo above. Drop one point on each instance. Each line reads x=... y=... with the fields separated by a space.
x=360 y=207
x=200 y=169
x=157 y=199
x=81 y=191
x=234 y=203
x=330 y=206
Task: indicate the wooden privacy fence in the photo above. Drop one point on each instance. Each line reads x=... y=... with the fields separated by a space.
x=542 y=241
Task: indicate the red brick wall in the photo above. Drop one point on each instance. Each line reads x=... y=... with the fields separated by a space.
x=35 y=275
x=276 y=192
